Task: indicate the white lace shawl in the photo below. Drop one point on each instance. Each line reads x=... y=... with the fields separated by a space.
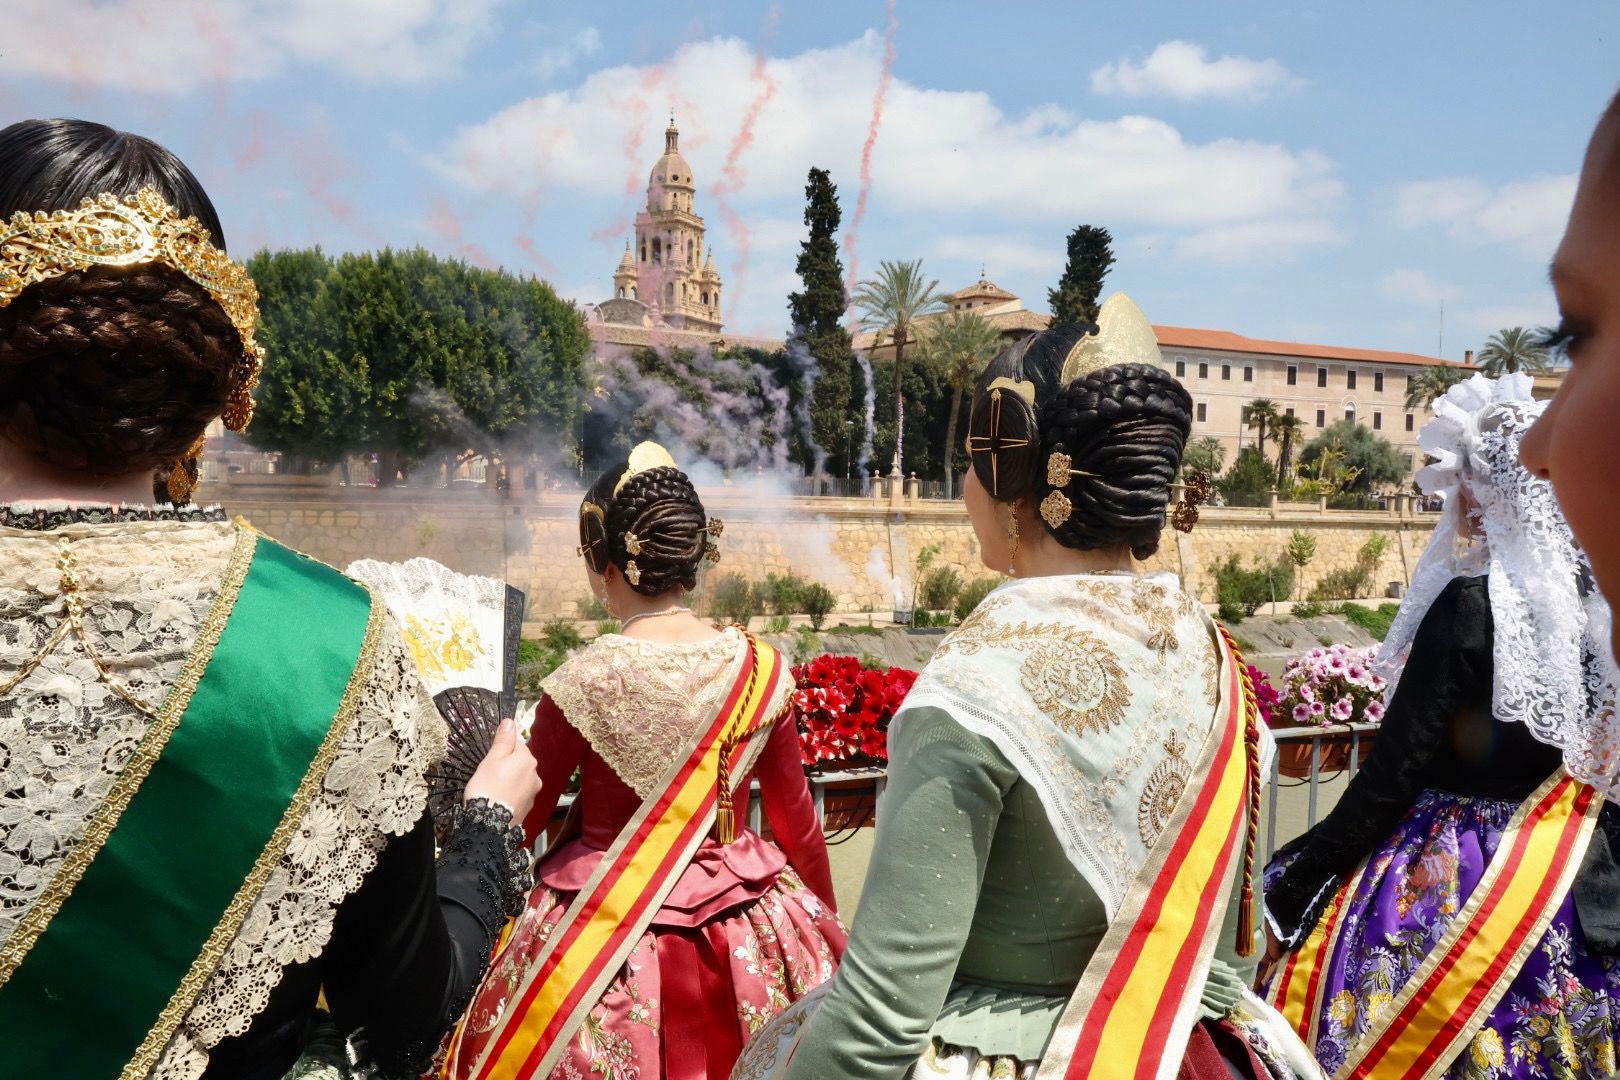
x=1101 y=690
x=64 y=738
x=1554 y=671
x=639 y=703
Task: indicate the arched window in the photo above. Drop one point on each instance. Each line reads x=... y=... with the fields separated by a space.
x=704 y=296
x=644 y=251
x=621 y=292
x=669 y=292
x=633 y=295
x=658 y=251
x=691 y=253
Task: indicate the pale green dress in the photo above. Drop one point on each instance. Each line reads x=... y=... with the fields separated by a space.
x=973 y=927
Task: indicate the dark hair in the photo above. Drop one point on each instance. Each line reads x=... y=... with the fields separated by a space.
x=661 y=508
x=108 y=370
x=1123 y=428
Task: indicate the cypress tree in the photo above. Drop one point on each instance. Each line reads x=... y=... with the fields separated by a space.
x=1090 y=255
x=818 y=313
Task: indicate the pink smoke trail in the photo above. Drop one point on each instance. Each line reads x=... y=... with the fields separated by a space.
x=444 y=223
x=886 y=76
x=732 y=175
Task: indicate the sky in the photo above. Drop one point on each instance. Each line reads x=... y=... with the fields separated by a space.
x=1327 y=172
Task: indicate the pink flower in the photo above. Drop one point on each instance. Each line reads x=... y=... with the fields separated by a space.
x=1302 y=714
x=1336 y=665
x=1357 y=673
x=1378 y=683
x=1317 y=709
x=1343 y=710
x=1307 y=693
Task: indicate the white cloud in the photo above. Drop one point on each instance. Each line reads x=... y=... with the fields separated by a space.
x=938 y=152
x=1527 y=214
x=1415 y=286
x=174 y=46
x=1249 y=241
x=1001 y=254
x=1182 y=70
x=557 y=59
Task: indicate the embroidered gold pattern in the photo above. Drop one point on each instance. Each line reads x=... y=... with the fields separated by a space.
x=37 y=918
x=214 y=948
x=1074 y=678
x=1163 y=792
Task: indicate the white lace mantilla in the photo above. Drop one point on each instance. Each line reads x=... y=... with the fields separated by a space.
x=639 y=703
x=65 y=737
x=1101 y=690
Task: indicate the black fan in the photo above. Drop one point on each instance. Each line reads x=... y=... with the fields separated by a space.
x=472 y=714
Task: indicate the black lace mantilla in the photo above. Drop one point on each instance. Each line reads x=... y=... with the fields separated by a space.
x=45 y=518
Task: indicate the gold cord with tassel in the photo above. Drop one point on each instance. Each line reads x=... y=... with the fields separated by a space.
x=1251 y=750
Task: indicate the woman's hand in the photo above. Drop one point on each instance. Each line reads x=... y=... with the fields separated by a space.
x=1275 y=951
x=507 y=774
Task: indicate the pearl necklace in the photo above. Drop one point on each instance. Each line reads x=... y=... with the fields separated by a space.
x=649 y=615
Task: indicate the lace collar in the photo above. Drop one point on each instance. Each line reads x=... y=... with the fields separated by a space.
x=45 y=516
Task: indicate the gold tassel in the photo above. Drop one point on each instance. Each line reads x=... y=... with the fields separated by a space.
x=725 y=820
x=1251 y=754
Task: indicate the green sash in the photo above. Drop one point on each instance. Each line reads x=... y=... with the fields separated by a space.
x=108 y=962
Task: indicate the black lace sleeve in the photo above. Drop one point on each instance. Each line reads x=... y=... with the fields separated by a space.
x=1449 y=671
x=409 y=948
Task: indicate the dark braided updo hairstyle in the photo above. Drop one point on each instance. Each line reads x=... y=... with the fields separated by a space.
x=661 y=508
x=1123 y=428
x=108 y=371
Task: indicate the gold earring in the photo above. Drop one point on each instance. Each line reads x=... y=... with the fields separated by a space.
x=1012 y=537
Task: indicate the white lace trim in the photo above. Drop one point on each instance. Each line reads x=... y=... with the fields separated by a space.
x=1554 y=671
x=63 y=739
x=639 y=703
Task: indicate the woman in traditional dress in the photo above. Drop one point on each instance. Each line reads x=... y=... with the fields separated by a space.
x=1576 y=441
x=1058 y=881
x=212 y=801
x=1459 y=909
x=663 y=931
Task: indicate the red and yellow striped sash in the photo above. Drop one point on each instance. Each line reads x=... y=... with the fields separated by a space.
x=609 y=915
x=1298 y=988
x=1135 y=1006
x=1449 y=997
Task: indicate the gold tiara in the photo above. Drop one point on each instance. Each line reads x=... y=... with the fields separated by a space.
x=132 y=230
x=1124 y=336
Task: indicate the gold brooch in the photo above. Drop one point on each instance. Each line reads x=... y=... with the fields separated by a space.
x=632 y=572
x=632 y=543
x=711 y=553
x=1056 y=509
x=132 y=230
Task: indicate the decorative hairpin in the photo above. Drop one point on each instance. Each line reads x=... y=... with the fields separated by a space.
x=1194 y=492
x=711 y=550
x=1059 y=467
x=632 y=572
x=715 y=528
x=1056 y=509
x=711 y=553
x=632 y=543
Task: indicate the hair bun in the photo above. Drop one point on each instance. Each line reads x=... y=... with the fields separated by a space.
x=661 y=510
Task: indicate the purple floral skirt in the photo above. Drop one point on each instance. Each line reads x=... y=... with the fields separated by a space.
x=1557 y=1019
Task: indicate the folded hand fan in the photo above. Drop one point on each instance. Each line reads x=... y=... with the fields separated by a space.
x=462 y=632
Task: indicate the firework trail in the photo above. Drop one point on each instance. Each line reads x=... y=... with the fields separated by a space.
x=732 y=174
x=852 y=234
x=444 y=224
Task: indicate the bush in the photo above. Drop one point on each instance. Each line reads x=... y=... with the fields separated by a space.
x=818 y=603
x=941 y=588
x=1240 y=591
x=534 y=665
x=607 y=626
x=591 y=608
x=972 y=594
x=1376 y=621
x=559 y=635
x=922 y=618
x=806 y=645
x=1347 y=584
x=734 y=600
x=1308 y=609
x=783 y=594
x=778 y=624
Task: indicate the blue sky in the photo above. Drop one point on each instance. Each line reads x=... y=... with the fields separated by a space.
x=1331 y=172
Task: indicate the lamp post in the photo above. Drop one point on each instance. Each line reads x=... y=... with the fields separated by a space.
x=849 y=443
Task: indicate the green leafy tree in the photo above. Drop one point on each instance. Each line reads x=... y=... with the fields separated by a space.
x=1511 y=351
x=1205 y=454
x=959 y=345
x=891 y=304
x=817 y=312
x=1249 y=478
x=407 y=354
x=1260 y=414
x=1287 y=430
x=1354 y=458
x=1091 y=253
x=1428 y=383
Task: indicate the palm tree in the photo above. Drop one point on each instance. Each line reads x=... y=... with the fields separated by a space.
x=960 y=345
x=1205 y=455
x=891 y=303
x=1287 y=430
x=1260 y=413
x=1513 y=350
x=1431 y=382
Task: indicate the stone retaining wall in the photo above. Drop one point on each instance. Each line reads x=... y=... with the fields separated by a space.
x=863 y=549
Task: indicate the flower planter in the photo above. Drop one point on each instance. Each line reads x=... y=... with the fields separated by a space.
x=1294 y=757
